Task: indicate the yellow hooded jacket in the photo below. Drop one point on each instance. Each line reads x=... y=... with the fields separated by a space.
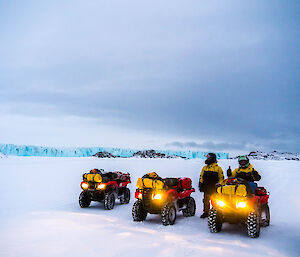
x=211 y=174
x=249 y=173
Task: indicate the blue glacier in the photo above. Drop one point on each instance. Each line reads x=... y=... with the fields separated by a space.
x=29 y=150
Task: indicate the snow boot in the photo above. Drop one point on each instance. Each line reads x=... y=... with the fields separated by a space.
x=204 y=215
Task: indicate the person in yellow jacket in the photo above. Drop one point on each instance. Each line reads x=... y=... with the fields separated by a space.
x=211 y=174
x=245 y=171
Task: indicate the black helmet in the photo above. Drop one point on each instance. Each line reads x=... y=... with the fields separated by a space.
x=244 y=161
x=211 y=158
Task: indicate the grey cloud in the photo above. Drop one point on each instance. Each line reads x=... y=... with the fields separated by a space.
x=207 y=72
x=209 y=145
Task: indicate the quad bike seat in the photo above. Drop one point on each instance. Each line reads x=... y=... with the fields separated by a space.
x=117 y=176
x=171 y=182
x=109 y=176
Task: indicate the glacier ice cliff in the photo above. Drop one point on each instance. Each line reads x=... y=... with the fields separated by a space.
x=29 y=150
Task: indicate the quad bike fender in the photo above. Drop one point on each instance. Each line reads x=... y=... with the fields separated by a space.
x=172 y=195
x=264 y=199
x=112 y=184
x=257 y=201
x=185 y=193
x=124 y=184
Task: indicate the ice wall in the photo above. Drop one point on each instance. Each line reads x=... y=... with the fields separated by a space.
x=28 y=150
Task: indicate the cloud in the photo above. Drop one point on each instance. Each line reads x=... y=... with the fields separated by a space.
x=185 y=72
x=209 y=145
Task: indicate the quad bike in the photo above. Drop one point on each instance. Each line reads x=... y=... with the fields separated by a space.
x=235 y=203
x=107 y=187
x=163 y=196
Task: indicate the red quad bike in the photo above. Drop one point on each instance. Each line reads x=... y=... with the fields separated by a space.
x=163 y=196
x=107 y=187
x=235 y=203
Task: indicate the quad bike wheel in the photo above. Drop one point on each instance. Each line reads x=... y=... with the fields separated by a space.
x=168 y=214
x=253 y=225
x=84 y=200
x=214 y=221
x=138 y=212
x=126 y=196
x=265 y=215
x=109 y=200
x=190 y=207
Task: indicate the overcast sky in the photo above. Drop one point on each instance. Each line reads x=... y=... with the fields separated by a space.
x=200 y=75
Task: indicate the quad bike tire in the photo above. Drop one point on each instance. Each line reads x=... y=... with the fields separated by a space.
x=84 y=200
x=138 y=211
x=109 y=200
x=214 y=221
x=265 y=215
x=126 y=196
x=253 y=225
x=168 y=214
x=190 y=209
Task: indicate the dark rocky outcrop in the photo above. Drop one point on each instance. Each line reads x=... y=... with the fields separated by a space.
x=153 y=154
x=105 y=155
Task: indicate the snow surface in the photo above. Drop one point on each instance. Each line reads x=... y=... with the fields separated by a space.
x=40 y=215
x=29 y=150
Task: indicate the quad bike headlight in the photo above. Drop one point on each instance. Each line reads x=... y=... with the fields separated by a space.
x=156 y=196
x=140 y=195
x=101 y=186
x=220 y=203
x=241 y=204
x=84 y=185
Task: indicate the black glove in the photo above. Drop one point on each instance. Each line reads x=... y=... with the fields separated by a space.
x=201 y=187
x=256 y=175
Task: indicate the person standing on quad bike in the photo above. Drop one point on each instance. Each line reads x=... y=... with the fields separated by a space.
x=211 y=174
x=245 y=171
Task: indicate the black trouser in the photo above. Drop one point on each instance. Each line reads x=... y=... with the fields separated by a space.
x=209 y=190
x=206 y=204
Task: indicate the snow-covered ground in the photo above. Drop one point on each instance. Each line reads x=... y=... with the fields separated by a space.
x=40 y=215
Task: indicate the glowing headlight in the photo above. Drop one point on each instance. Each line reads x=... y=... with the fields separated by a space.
x=101 y=186
x=156 y=196
x=140 y=195
x=220 y=203
x=84 y=185
x=241 y=204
